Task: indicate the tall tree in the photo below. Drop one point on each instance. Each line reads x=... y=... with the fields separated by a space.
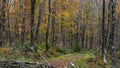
x=8 y=22
x=48 y=25
x=41 y=7
x=113 y=32
x=104 y=47
x=22 y=7
x=53 y=23
x=2 y=22
x=32 y=23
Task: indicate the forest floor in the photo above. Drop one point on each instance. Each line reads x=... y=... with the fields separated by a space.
x=59 y=59
x=82 y=60
x=79 y=60
x=68 y=60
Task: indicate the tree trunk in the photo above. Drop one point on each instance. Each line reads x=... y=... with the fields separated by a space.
x=53 y=24
x=41 y=6
x=113 y=33
x=2 y=23
x=83 y=37
x=32 y=23
x=9 y=30
x=61 y=34
x=48 y=25
x=22 y=25
x=104 y=35
x=91 y=40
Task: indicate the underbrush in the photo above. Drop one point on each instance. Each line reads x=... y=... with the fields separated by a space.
x=26 y=54
x=10 y=54
x=81 y=61
x=90 y=59
x=97 y=61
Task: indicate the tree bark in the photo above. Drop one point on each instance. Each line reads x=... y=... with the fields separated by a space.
x=41 y=6
x=61 y=34
x=2 y=23
x=53 y=24
x=48 y=25
x=32 y=23
x=22 y=25
x=113 y=33
x=9 y=30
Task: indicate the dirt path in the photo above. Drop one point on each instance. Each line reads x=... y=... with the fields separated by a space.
x=63 y=61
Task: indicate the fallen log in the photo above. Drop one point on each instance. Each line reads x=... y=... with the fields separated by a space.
x=22 y=64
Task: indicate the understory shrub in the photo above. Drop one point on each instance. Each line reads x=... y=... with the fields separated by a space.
x=26 y=46
x=77 y=47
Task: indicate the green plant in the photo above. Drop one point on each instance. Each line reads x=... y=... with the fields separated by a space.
x=60 y=50
x=81 y=62
x=63 y=50
x=36 y=47
x=26 y=46
x=77 y=47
